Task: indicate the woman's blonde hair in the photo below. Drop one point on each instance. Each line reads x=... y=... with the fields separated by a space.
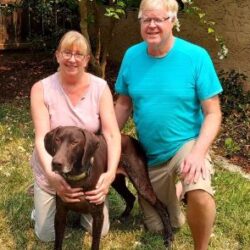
x=74 y=38
x=170 y=6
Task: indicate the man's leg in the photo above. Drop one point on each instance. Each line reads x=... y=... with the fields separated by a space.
x=163 y=182
x=200 y=204
x=200 y=216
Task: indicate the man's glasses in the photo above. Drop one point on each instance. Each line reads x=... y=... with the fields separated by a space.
x=156 y=20
x=67 y=55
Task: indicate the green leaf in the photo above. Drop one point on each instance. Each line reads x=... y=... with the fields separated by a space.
x=121 y=4
x=120 y=11
x=210 y=30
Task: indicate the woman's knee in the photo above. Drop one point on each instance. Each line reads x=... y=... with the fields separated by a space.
x=45 y=234
x=105 y=229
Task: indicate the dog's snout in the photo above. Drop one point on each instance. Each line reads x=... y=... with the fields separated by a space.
x=57 y=165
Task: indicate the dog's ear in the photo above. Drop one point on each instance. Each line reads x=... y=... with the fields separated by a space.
x=91 y=144
x=49 y=141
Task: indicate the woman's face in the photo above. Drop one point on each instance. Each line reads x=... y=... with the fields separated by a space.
x=72 y=60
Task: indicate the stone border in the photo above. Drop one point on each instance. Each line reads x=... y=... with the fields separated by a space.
x=224 y=163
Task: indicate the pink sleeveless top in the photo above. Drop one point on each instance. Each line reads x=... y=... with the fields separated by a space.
x=85 y=114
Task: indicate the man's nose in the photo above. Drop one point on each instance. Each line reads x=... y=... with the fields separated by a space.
x=152 y=23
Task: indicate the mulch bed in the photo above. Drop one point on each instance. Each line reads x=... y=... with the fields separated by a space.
x=20 y=70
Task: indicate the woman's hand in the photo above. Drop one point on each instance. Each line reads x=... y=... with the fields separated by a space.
x=63 y=189
x=98 y=195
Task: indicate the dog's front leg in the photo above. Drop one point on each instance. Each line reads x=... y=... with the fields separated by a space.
x=98 y=219
x=60 y=223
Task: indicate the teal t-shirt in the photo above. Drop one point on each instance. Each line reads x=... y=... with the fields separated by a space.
x=166 y=93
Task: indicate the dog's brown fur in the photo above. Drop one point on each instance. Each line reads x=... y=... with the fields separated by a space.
x=76 y=151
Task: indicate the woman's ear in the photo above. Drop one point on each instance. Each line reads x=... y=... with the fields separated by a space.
x=86 y=61
x=57 y=55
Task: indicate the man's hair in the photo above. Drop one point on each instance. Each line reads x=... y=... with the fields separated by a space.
x=171 y=6
x=74 y=38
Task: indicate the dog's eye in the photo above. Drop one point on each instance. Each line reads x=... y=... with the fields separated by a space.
x=73 y=143
x=57 y=140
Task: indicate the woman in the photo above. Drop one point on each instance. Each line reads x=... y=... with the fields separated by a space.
x=74 y=97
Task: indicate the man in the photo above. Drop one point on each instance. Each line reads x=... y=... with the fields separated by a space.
x=172 y=88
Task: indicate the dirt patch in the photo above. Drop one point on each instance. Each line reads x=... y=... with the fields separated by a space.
x=20 y=70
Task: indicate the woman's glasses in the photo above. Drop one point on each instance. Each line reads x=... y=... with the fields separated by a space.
x=67 y=55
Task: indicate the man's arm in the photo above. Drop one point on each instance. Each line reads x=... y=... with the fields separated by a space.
x=193 y=165
x=123 y=109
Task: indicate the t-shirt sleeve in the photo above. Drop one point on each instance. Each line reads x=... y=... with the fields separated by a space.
x=207 y=81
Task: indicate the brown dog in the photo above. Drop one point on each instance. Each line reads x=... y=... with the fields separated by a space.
x=81 y=157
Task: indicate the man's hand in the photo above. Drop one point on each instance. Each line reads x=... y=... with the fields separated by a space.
x=192 y=167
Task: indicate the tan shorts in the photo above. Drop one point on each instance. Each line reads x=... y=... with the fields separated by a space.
x=44 y=213
x=163 y=179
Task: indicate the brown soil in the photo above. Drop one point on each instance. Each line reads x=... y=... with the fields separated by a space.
x=241 y=161
x=19 y=70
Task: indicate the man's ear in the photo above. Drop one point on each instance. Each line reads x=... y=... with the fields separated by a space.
x=90 y=146
x=49 y=141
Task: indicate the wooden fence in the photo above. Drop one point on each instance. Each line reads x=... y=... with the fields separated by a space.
x=21 y=24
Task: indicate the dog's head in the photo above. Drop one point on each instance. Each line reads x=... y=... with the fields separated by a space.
x=72 y=149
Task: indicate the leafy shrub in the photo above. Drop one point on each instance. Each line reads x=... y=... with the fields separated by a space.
x=231 y=147
x=233 y=97
x=235 y=133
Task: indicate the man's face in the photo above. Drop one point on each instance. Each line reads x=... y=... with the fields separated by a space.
x=156 y=28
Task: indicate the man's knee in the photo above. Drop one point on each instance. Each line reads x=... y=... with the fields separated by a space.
x=199 y=198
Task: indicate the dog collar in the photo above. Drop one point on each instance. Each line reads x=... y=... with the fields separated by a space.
x=80 y=176
x=75 y=177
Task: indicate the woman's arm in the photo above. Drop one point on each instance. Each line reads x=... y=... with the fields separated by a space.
x=110 y=131
x=40 y=117
x=112 y=136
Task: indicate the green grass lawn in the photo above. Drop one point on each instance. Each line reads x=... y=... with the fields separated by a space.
x=231 y=230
